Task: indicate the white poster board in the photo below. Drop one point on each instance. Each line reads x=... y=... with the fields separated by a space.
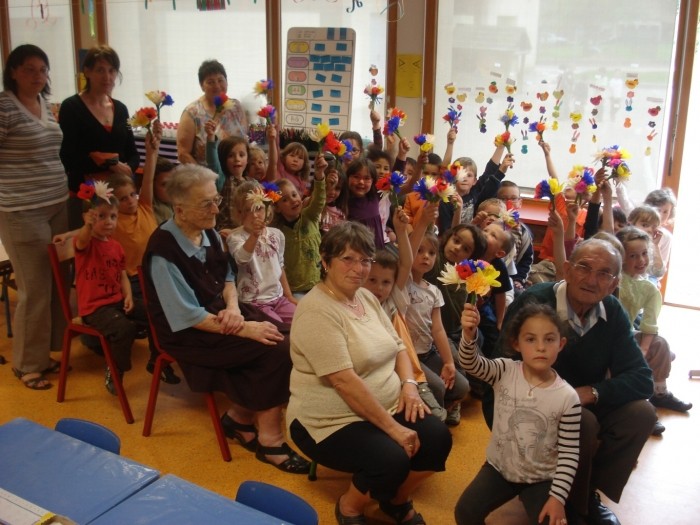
x=319 y=74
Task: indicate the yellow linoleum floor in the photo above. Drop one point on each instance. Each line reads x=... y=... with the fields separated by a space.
x=664 y=489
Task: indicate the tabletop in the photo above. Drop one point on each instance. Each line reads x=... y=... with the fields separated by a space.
x=174 y=500
x=64 y=475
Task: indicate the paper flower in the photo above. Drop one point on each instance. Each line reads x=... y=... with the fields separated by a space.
x=509 y=118
x=425 y=141
x=614 y=158
x=548 y=189
x=264 y=195
x=476 y=276
x=263 y=87
x=504 y=139
x=268 y=113
x=340 y=149
x=538 y=127
x=394 y=120
x=373 y=91
x=389 y=186
x=94 y=190
x=511 y=218
x=319 y=133
x=434 y=189
x=160 y=99
x=453 y=116
x=143 y=118
x=221 y=104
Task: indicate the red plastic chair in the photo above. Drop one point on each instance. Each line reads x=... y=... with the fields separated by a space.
x=164 y=359
x=59 y=253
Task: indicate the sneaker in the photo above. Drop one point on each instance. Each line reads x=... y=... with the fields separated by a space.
x=658 y=428
x=454 y=415
x=670 y=402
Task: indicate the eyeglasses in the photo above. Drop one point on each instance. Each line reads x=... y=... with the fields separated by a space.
x=506 y=199
x=583 y=271
x=351 y=262
x=206 y=205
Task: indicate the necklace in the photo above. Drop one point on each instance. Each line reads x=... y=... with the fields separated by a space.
x=351 y=305
x=529 y=392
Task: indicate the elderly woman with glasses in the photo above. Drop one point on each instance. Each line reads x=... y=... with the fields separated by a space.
x=194 y=309
x=354 y=405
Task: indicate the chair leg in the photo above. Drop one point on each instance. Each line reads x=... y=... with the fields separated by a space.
x=123 y=401
x=65 y=360
x=153 y=395
x=216 y=420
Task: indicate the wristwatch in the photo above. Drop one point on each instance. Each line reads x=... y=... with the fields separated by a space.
x=596 y=395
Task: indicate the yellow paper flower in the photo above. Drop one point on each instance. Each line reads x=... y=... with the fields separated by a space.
x=319 y=132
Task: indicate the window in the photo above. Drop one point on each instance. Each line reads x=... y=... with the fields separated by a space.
x=589 y=50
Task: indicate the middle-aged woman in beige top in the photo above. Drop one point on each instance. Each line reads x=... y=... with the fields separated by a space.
x=354 y=403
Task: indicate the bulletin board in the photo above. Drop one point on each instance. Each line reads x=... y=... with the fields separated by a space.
x=318 y=86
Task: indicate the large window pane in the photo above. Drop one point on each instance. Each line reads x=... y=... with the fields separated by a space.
x=588 y=50
x=369 y=24
x=161 y=48
x=51 y=29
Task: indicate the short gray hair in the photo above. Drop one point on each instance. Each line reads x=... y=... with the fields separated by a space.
x=598 y=244
x=184 y=177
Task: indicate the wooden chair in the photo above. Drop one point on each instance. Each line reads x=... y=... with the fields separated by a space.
x=276 y=502
x=89 y=432
x=59 y=253
x=164 y=359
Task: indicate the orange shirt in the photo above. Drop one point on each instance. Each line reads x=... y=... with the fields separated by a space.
x=133 y=232
x=547 y=248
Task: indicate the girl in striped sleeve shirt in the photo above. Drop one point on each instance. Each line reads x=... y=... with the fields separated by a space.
x=534 y=447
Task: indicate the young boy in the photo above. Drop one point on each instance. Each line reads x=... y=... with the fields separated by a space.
x=162 y=208
x=103 y=290
x=509 y=194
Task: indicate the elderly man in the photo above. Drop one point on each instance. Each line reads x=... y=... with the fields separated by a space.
x=602 y=361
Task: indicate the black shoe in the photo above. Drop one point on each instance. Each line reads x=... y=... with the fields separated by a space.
x=658 y=428
x=348 y=520
x=233 y=430
x=599 y=514
x=109 y=381
x=670 y=402
x=167 y=374
x=141 y=333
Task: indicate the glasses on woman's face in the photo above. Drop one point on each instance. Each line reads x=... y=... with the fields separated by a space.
x=350 y=262
x=207 y=204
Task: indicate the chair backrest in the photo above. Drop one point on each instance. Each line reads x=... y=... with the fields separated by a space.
x=58 y=253
x=276 y=502
x=89 y=432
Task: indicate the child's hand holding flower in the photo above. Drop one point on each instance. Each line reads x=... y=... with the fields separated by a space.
x=470 y=322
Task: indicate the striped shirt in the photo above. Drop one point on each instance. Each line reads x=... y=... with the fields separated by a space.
x=535 y=434
x=31 y=172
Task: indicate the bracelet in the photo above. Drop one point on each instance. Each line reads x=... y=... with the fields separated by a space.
x=596 y=395
x=411 y=381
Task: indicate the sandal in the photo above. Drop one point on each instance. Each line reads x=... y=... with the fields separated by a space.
x=400 y=511
x=167 y=374
x=348 y=520
x=233 y=429
x=53 y=368
x=294 y=464
x=34 y=383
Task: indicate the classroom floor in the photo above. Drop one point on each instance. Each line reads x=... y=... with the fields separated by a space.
x=663 y=489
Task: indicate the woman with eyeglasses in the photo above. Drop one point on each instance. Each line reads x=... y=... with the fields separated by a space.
x=194 y=309
x=354 y=402
x=33 y=198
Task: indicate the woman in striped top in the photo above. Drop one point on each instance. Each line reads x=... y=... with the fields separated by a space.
x=33 y=195
x=534 y=447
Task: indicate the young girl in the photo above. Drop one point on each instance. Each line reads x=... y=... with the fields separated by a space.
x=336 y=190
x=229 y=160
x=257 y=163
x=259 y=253
x=162 y=208
x=292 y=164
x=362 y=203
x=300 y=226
x=428 y=333
x=534 y=448
x=636 y=294
x=647 y=219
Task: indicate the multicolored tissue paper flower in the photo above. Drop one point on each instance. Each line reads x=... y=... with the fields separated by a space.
x=548 y=189
x=453 y=116
x=425 y=141
x=263 y=196
x=160 y=99
x=263 y=87
x=268 y=113
x=434 y=189
x=511 y=218
x=504 y=139
x=394 y=120
x=582 y=180
x=94 y=190
x=374 y=91
x=143 y=118
x=538 y=127
x=340 y=149
x=509 y=118
x=477 y=276
x=389 y=186
x=221 y=104
x=614 y=158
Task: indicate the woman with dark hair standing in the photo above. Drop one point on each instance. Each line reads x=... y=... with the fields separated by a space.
x=97 y=139
x=32 y=209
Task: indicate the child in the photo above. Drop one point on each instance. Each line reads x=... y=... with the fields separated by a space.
x=429 y=165
x=336 y=190
x=432 y=345
x=665 y=203
x=362 y=203
x=509 y=194
x=637 y=294
x=647 y=219
x=382 y=163
x=104 y=294
x=162 y=209
x=292 y=164
x=534 y=446
x=300 y=226
x=228 y=159
x=257 y=163
x=259 y=255
x=387 y=281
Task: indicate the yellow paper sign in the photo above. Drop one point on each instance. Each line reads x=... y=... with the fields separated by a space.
x=409 y=75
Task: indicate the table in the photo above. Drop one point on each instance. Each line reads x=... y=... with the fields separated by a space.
x=174 y=500
x=64 y=475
